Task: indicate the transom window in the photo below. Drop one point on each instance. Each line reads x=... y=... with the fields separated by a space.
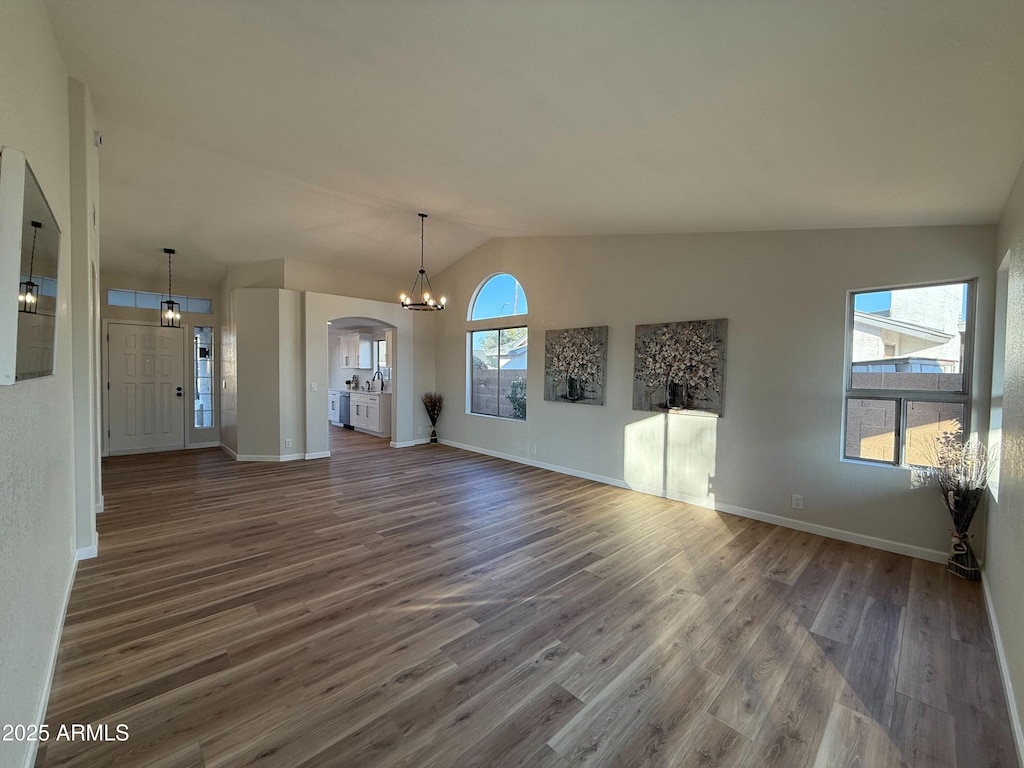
x=498 y=351
x=907 y=371
x=118 y=297
x=499 y=296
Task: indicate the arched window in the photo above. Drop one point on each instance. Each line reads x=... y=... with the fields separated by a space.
x=500 y=295
x=498 y=349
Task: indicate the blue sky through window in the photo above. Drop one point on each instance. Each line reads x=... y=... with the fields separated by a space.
x=501 y=296
x=872 y=302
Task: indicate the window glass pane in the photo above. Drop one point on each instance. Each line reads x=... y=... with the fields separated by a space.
x=484 y=372
x=910 y=338
x=512 y=379
x=199 y=306
x=47 y=286
x=203 y=365
x=117 y=298
x=498 y=372
x=925 y=424
x=500 y=296
x=147 y=300
x=871 y=429
x=204 y=412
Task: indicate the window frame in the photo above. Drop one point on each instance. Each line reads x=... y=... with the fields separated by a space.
x=212 y=377
x=469 y=369
x=496 y=318
x=152 y=299
x=904 y=397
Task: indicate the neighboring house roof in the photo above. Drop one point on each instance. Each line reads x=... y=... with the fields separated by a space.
x=923 y=332
x=515 y=360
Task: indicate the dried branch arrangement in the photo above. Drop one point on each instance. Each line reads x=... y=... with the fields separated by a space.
x=962 y=469
x=433 y=402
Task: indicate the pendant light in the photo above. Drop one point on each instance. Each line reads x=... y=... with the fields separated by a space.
x=421 y=297
x=28 y=291
x=170 y=310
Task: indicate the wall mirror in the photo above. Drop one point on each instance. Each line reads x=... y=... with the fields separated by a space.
x=29 y=260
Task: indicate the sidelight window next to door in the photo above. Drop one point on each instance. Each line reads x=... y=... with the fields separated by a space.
x=202 y=361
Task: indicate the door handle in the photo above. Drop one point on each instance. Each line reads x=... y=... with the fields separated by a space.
x=179 y=392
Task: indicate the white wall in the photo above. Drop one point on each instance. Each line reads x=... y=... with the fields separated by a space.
x=1004 y=561
x=85 y=270
x=292 y=394
x=320 y=278
x=784 y=294
x=256 y=313
x=37 y=465
x=266 y=274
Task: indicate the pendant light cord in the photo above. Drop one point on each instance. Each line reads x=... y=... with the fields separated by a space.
x=32 y=260
x=423 y=218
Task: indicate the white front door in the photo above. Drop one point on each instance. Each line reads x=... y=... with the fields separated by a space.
x=146 y=405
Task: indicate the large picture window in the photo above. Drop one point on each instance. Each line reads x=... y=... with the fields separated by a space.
x=907 y=371
x=498 y=351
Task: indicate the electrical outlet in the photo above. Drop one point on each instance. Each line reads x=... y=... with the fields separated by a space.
x=419 y=430
x=798 y=501
x=313 y=386
x=533 y=449
x=288 y=443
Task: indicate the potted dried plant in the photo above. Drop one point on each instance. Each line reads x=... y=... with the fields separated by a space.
x=962 y=468
x=433 y=402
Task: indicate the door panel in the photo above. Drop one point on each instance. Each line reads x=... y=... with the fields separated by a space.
x=146 y=406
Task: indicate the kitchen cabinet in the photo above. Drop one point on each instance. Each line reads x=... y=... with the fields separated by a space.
x=371 y=413
x=338 y=407
x=356 y=350
x=334 y=407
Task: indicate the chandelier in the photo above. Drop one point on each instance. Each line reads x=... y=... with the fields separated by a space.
x=421 y=297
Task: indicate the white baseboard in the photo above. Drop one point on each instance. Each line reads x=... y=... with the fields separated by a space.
x=54 y=651
x=317 y=455
x=210 y=444
x=539 y=464
x=851 y=537
x=410 y=443
x=98 y=506
x=1004 y=672
x=269 y=457
x=89 y=552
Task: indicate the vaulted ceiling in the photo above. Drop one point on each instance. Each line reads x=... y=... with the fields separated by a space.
x=244 y=130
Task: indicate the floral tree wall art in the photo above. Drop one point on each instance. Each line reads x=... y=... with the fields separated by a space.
x=680 y=366
x=575 y=365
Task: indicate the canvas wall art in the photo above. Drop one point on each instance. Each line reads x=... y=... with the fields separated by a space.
x=575 y=365
x=680 y=366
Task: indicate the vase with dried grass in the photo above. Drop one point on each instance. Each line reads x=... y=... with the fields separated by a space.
x=962 y=468
x=433 y=402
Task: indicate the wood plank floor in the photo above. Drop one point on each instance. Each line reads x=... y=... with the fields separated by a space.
x=431 y=607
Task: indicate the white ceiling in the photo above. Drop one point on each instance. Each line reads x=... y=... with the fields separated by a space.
x=244 y=130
